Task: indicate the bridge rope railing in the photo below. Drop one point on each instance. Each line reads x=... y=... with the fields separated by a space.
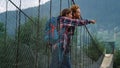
x=91 y=43
x=23 y=45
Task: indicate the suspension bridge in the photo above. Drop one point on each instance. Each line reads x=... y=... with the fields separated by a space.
x=22 y=44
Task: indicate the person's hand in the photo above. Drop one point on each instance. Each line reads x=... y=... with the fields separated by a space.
x=54 y=46
x=69 y=25
x=64 y=47
x=92 y=21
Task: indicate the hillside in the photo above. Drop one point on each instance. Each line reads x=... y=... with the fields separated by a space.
x=105 y=12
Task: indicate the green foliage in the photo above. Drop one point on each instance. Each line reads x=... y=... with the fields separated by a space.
x=116 y=59
x=1 y=33
x=2 y=27
x=12 y=55
x=22 y=50
x=6 y=51
x=32 y=32
x=95 y=50
x=118 y=40
x=32 y=36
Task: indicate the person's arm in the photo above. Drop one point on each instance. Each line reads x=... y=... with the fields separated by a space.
x=75 y=22
x=63 y=23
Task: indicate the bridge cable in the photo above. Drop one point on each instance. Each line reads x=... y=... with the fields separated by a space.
x=6 y=17
x=88 y=31
x=21 y=10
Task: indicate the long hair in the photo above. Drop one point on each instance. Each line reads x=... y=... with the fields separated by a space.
x=65 y=11
x=74 y=9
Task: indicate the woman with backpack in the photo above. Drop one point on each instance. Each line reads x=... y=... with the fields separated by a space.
x=60 y=45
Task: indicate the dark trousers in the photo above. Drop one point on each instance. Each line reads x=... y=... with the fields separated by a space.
x=60 y=59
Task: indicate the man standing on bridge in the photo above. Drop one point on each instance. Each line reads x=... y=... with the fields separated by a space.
x=70 y=32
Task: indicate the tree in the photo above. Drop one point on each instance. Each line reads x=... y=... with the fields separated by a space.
x=22 y=50
x=95 y=49
x=31 y=35
x=117 y=59
x=2 y=29
x=30 y=30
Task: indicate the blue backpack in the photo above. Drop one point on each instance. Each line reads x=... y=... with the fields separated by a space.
x=51 y=32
